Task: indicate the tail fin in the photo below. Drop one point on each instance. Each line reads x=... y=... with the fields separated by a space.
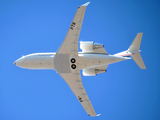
x=134 y=49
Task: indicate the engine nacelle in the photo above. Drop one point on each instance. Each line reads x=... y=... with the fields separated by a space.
x=89 y=46
x=92 y=71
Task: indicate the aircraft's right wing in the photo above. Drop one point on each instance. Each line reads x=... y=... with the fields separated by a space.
x=74 y=81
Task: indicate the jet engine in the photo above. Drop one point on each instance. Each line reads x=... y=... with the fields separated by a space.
x=89 y=46
x=92 y=71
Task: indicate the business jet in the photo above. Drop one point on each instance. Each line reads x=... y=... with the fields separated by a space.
x=92 y=60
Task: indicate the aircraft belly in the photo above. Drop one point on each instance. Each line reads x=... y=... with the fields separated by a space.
x=61 y=63
x=68 y=62
x=38 y=62
x=92 y=60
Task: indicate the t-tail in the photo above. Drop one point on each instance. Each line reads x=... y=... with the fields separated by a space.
x=133 y=51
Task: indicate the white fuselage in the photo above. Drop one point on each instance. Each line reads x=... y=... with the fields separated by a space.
x=84 y=60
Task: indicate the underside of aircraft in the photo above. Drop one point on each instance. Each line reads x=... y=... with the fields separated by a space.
x=92 y=60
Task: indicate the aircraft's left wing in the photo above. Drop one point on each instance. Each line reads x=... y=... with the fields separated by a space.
x=70 y=43
x=74 y=81
x=69 y=47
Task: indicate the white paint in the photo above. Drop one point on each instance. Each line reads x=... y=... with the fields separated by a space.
x=46 y=60
x=36 y=61
x=93 y=59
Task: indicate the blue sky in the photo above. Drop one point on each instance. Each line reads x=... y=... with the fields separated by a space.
x=125 y=92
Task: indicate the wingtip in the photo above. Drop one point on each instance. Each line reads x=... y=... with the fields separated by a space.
x=94 y=115
x=140 y=33
x=86 y=4
x=98 y=114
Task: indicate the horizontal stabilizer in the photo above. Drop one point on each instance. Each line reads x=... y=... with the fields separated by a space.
x=138 y=59
x=134 y=47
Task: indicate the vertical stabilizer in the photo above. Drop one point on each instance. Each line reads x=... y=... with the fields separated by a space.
x=134 y=49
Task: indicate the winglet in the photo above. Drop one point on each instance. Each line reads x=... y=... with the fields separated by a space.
x=85 y=4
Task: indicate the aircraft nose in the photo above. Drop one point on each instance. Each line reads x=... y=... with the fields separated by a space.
x=14 y=63
x=19 y=62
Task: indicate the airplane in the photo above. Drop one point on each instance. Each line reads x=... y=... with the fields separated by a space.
x=68 y=62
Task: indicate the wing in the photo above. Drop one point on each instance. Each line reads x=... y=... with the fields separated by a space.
x=70 y=43
x=68 y=49
x=75 y=83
